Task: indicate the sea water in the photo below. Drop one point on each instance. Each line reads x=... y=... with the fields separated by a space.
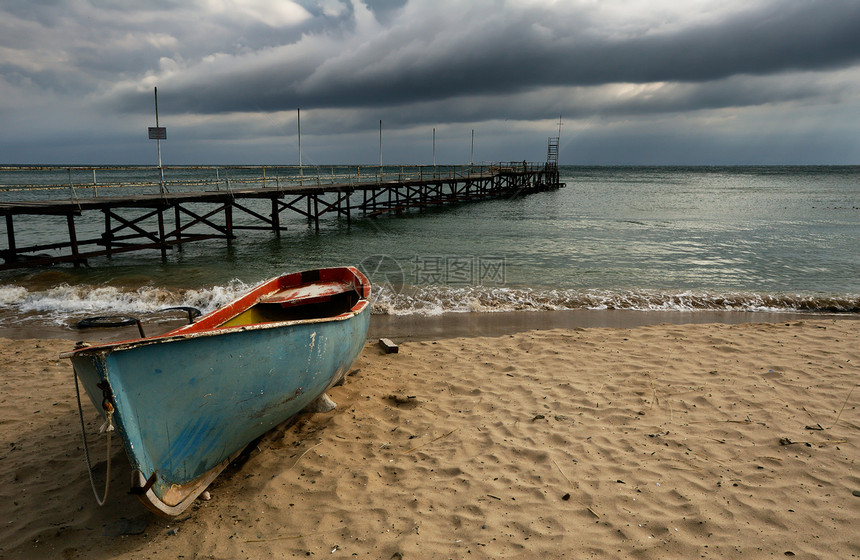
x=642 y=238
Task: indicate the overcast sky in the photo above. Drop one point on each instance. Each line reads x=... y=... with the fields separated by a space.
x=635 y=81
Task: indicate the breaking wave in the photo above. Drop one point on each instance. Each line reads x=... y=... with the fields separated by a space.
x=65 y=304
x=435 y=300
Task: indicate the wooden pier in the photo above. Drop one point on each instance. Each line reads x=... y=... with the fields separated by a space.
x=185 y=211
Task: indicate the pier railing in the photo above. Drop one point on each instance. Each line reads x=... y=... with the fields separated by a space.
x=22 y=182
x=114 y=210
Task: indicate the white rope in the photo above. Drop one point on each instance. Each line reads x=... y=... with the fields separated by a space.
x=106 y=427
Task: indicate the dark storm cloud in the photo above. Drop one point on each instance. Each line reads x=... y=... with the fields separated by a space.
x=384 y=10
x=111 y=40
x=517 y=51
x=663 y=99
x=636 y=80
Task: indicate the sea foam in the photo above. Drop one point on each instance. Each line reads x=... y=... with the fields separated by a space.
x=66 y=304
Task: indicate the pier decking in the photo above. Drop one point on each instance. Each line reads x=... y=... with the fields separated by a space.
x=158 y=215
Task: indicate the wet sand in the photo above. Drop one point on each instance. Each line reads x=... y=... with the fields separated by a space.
x=712 y=440
x=452 y=325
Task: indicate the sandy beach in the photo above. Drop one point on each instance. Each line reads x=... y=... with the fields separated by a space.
x=686 y=441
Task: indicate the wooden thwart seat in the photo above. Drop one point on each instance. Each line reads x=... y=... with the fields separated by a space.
x=307 y=293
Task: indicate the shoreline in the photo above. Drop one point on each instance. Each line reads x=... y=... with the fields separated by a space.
x=455 y=325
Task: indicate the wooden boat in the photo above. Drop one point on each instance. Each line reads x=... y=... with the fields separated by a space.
x=185 y=403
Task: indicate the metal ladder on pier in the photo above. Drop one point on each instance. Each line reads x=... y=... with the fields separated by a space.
x=552 y=152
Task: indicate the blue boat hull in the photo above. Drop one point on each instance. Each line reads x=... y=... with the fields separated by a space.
x=184 y=405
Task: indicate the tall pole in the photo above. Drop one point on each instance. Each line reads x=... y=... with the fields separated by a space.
x=158 y=142
x=434 y=146
x=472 y=161
x=299 y=121
x=380 y=144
